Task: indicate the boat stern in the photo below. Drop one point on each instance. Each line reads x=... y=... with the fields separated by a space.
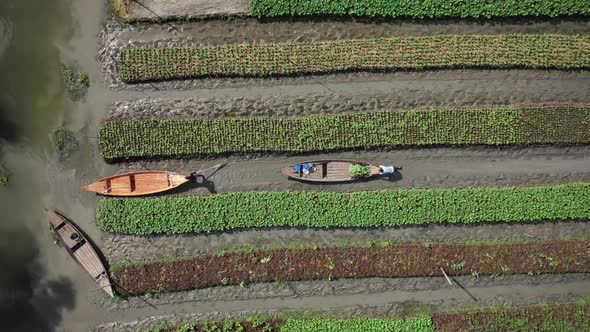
x=289 y=171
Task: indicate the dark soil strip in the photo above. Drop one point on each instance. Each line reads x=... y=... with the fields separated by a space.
x=249 y=30
x=561 y=317
x=400 y=260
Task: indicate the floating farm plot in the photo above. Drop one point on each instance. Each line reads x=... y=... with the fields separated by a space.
x=299 y=53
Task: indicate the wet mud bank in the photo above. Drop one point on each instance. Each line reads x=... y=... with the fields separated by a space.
x=263 y=106
x=252 y=30
x=184 y=9
x=500 y=290
x=426 y=168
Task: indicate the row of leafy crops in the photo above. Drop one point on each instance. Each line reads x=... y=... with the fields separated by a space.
x=415 y=324
x=137 y=64
x=564 y=317
x=167 y=137
x=420 y=8
x=239 y=210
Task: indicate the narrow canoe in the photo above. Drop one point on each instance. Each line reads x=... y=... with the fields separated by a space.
x=329 y=171
x=80 y=249
x=137 y=183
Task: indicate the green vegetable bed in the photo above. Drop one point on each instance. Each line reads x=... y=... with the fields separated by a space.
x=420 y=8
x=566 y=317
x=223 y=212
x=138 y=64
x=165 y=137
x=414 y=324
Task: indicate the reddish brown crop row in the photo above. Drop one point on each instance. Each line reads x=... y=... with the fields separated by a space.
x=560 y=317
x=392 y=260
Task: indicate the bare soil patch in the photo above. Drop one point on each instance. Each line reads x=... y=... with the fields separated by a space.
x=251 y=30
x=185 y=9
x=399 y=260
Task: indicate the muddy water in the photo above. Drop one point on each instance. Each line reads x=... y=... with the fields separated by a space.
x=32 y=297
x=41 y=289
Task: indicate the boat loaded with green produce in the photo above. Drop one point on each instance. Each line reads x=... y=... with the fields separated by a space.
x=336 y=171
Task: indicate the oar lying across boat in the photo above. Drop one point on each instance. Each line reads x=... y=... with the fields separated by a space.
x=336 y=171
x=144 y=182
x=80 y=250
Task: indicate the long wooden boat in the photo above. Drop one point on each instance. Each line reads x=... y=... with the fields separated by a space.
x=80 y=249
x=137 y=183
x=329 y=171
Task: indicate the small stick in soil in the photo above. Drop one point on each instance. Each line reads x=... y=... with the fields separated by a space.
x=446 y=276
x=527 y=235
x=173 y=27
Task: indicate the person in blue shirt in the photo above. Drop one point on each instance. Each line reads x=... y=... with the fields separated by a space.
x=305 y=168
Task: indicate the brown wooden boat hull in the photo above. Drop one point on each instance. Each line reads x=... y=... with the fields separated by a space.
x=80 y=249
x=329 y=171
x=137 y=183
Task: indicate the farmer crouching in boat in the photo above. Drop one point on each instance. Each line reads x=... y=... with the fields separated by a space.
x=305 y=168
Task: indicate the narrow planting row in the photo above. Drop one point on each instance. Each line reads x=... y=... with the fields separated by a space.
x=382 y=8
x=383 y=208
x=353 y=261
x=269 y=324
x=165 y=137
x=138 y=64
x=419 y=8
x=566 y=317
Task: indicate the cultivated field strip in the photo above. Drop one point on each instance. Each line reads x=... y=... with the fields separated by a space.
x=562 y=317
x=418 y=9
x=352 y=261
x=553 y=311
x=220 y=32
x=164 y=137
x=158 y=10
x=547 y=51
x=121 y=248
x=382 y=208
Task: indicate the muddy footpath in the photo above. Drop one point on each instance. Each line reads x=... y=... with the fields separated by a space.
x=349 y=297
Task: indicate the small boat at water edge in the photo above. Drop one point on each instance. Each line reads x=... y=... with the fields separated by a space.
x=144 y=182
x=80 y=249
x=137 y=183
x=335 y=171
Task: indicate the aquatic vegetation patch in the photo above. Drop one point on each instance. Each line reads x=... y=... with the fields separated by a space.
x=419 y=8
x=168 y=137
x=76 y=82
x=140 y=64
x=65 y=142
x=3 y=175
x=382 y=208
x=355 y=261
